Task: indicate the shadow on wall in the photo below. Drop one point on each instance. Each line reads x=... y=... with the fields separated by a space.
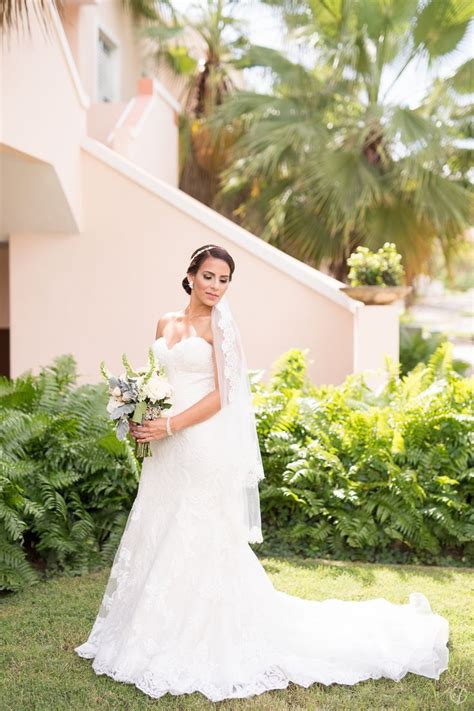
x=5 y=352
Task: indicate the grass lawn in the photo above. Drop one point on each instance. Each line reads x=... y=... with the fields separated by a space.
x=41 y=626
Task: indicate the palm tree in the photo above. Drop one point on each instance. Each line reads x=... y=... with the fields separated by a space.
x=14 y=14
x=327 y=161
x=202 y=49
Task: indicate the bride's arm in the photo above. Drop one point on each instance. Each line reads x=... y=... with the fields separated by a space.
x=202 y=409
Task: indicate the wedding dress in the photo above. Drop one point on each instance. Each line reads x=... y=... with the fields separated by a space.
x=189 y=607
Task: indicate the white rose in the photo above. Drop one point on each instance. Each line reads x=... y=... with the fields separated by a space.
x=157 y=388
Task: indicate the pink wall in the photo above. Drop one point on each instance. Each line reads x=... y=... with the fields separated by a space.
x=148 y=136
x=101 y=292
x=102 y=117
x=43 y=106
x=155 y=147
x=98 y=287
x=113 y=18
x=81 y=25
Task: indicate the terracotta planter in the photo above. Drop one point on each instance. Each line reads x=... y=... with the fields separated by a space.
x=379 y=295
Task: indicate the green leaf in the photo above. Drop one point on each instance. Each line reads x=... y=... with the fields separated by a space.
x=463 y=79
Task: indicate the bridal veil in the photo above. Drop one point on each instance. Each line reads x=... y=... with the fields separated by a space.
x=236 y=397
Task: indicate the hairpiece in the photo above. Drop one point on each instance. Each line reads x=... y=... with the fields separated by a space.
x=205 y=249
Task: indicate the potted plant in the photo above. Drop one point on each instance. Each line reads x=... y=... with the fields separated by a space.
x=376 y=277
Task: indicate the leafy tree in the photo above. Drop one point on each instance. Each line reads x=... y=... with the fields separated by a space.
x=16 y=13
x=202 y=49
x=148 y=9
x=328 y=161
x=416 y=346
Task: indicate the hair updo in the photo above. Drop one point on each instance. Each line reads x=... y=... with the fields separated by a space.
x=200 y=255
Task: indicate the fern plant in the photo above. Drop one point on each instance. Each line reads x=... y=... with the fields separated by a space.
x=66 y=482
x=351 y=474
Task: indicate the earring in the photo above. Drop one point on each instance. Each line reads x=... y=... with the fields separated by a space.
x=190 y=284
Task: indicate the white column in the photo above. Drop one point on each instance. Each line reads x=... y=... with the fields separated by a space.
x=88 y=32
x=376 y=335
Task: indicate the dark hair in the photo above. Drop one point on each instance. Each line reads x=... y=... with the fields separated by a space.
x=202 y=253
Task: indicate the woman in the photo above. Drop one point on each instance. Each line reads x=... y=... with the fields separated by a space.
x=188 y=606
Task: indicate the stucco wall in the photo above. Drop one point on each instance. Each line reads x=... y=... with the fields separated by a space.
x=43 y=107
x=156 y=147
x=101 y=292
x=97 y=287
x=81 y=25
x=149 y=137
x=112 y=17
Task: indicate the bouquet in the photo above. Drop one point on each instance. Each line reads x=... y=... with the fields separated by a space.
x=138 y=395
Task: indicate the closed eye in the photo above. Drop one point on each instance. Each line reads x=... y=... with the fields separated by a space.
x=223 y=281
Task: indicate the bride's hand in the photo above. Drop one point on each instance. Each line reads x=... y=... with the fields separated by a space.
x=149 y=430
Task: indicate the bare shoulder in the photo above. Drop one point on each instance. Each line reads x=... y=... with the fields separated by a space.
x=163 y=321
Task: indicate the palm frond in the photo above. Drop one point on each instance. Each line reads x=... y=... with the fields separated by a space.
x=441 y=26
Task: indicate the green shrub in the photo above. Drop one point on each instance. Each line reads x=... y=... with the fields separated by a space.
x=66 y=482
x=357 y=475
x=417 y=346
x=349 y=473
x=381 y=268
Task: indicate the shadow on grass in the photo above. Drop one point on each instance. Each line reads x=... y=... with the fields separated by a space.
x=364 y=572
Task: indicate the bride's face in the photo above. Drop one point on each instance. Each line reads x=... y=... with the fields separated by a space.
x=211 y=280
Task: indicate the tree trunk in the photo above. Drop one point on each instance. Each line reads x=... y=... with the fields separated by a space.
x=197 y=182
x=339 y=269
x=338 y=266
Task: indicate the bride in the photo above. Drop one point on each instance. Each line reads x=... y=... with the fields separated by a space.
x=188 y=606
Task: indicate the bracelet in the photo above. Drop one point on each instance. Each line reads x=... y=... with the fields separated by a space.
x=168 y=427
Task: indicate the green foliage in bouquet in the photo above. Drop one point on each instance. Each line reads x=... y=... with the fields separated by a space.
x=66 y=482
x=137 y=395
x=353 y=474
x=381 y=268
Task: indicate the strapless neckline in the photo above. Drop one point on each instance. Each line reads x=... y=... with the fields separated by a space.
x=183 y=340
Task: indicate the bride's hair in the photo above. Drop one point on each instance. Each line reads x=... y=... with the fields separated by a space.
x=202 y=253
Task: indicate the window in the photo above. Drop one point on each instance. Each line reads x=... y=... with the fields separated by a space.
x=107 y=68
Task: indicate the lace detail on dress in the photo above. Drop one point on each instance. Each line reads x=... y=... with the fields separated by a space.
x=188 y=606
x=330 y=642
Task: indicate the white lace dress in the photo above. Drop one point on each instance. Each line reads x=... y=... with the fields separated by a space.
x=188 y=606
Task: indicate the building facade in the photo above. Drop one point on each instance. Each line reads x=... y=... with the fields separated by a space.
x=95 y=235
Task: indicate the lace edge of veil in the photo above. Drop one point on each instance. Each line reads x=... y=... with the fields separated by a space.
x=231 y=348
